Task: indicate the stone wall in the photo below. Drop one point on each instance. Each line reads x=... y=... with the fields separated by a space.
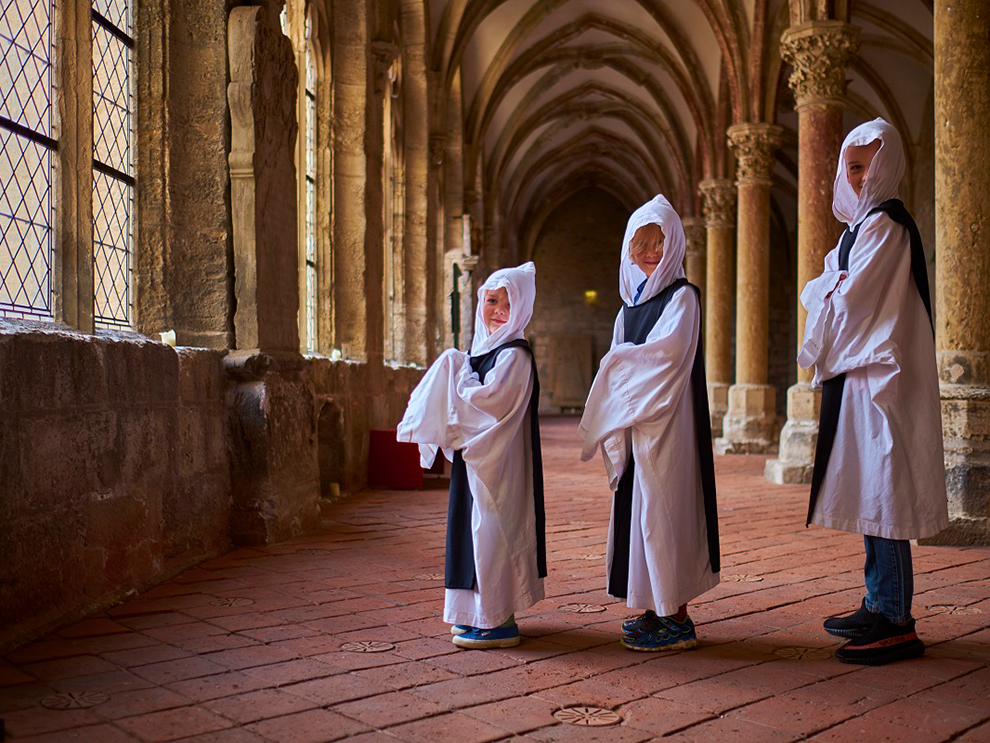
x=577 y=250
x=115 y=471
x=123 y=461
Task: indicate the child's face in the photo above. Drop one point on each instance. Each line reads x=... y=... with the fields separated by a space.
x=649 y=258
x=858 y=159
x=495 y=311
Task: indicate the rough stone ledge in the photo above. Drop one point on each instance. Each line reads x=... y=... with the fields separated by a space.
x=962 y=532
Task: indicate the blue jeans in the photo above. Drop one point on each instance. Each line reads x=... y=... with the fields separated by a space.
x=889 y=578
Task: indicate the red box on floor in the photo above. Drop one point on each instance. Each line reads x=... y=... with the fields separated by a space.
x=393 y=464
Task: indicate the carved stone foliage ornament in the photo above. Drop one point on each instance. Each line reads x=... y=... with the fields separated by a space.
x=719 y=197
x=819 y=52
x=754 y=146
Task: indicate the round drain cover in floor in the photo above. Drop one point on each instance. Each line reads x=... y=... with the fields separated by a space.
x=583 y=608
x=587 y=716
x=803 y=653
x=952 y=609
x=367 y=646
x=743 y=578
x=429 y=576
x=231 y=602
x=74 y=700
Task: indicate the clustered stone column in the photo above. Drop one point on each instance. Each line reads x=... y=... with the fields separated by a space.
x=818 y=52
x=274 y=472
x=719 y=197
x=962 y=266
x=750 y=425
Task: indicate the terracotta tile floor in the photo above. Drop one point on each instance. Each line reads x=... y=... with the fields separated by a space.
x=248 y=647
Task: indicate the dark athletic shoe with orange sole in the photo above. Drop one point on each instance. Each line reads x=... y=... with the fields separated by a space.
x=884 y=642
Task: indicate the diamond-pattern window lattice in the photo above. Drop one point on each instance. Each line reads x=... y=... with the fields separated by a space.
x=311 y=294
x=26 y=164
x=112 y=100
x=113 y=184
x=25 y=67
x=112 y=203
x=117 y=12
x=25 y=228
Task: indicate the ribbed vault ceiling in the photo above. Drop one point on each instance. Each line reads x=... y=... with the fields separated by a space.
x=634 y=96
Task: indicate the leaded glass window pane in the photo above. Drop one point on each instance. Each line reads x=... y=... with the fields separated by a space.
x=310 y=200
x=26 y=159
x=113 y=162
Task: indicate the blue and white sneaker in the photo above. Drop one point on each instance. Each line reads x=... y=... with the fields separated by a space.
x=497 y=637
x=665 y=633
x=460 y=629
x=640 y=623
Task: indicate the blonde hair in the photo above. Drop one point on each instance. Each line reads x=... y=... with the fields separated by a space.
x=647 y=237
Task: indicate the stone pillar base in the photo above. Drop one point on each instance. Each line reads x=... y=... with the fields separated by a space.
x=718 y=405
x=962 y=532
x=966 y=436
x=797 y=439
x=750 y=425
x=275 y=474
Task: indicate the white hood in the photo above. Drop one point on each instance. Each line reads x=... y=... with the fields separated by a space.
x=882 y=178
x=520 y=283
x=656 y=211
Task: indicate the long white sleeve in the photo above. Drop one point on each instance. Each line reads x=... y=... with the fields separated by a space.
x=639 y=385
x=852 y=325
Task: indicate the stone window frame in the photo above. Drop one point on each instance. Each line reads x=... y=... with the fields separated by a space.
x=72 y=282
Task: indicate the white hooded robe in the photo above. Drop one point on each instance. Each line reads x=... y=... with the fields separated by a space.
x=885 y=476
x=641 y=403
x=489 y=423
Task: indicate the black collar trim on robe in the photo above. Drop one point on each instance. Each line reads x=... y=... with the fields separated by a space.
x=832 y=388
x=459 y=568
x=638 y=321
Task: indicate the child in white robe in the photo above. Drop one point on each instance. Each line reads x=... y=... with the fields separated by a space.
x=648 y=413
x=481 y=409
x=879 y=468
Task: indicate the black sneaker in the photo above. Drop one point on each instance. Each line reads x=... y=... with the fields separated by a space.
x=883 y=643
x=649 y=620
x=852 y=625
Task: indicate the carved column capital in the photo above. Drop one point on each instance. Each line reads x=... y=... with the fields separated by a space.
x=818 y=52
x=694 y=235
x=719 y=202
x=754 y=146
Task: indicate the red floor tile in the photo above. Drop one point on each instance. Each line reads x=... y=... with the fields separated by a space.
x=179 y=665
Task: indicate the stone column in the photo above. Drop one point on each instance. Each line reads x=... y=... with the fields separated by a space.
x=818 y=52
x=750 y=425
x=274 y=470
x=262 y=100
x=694 y=260
x=962 y=265
x=719 y=197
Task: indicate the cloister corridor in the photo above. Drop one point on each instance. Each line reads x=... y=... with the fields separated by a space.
x=254 y=646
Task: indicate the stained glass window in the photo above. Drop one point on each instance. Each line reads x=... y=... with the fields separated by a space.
x=27 y=150
x=113 y=163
